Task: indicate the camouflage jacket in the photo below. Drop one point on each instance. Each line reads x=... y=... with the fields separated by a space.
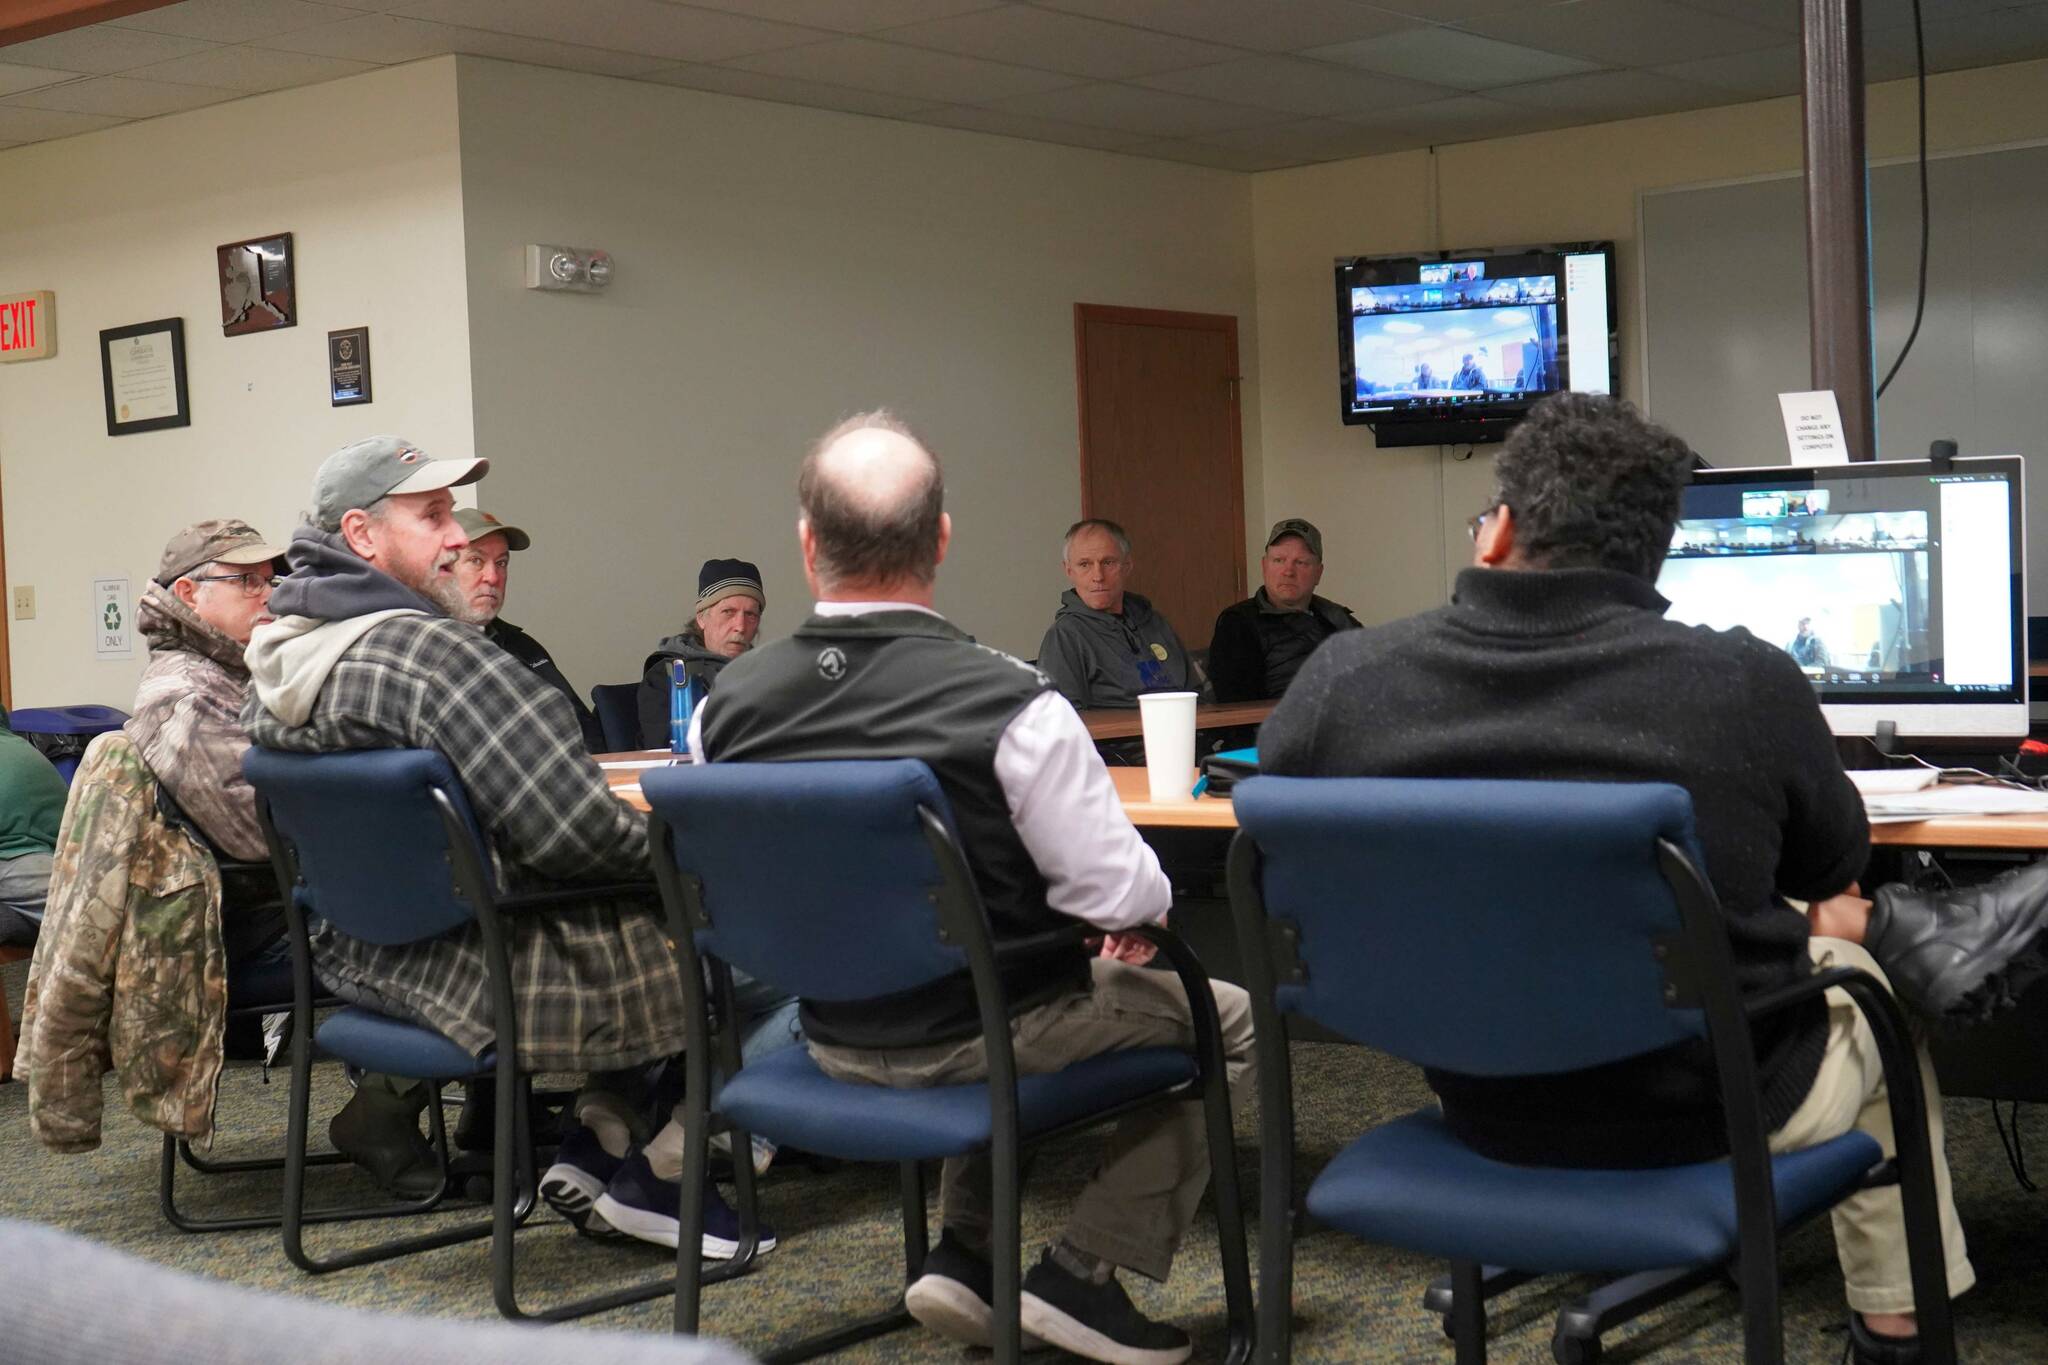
x=129 y=971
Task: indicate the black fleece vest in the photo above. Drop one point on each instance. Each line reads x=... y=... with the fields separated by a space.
x=904 y=684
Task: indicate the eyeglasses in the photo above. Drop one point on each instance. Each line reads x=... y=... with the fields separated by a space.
x=1472 y=524
x=253 y=584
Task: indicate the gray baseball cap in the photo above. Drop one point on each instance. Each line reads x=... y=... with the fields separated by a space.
x=1296 y=526
x=477 y=524
x=378 y=466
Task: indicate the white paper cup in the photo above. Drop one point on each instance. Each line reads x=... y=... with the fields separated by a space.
x=1169 y=721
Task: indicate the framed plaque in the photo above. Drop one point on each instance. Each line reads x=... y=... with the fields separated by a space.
x=142 y=373
x=348 y=366
x=256 y=290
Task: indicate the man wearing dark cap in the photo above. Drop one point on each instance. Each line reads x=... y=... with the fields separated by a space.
x=364 y=653
x=730 y=601
x=481 y=572
x=1260 y=643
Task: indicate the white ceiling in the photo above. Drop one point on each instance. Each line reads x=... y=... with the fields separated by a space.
x=1239 y=84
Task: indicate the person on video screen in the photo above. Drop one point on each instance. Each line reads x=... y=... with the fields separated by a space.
x=1806 y=648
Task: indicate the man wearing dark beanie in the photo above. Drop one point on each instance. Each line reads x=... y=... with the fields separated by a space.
x=730 y=600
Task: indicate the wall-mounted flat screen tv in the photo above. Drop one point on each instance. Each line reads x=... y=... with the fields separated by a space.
x=1453 y=347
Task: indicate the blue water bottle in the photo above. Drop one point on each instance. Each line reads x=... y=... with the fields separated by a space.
x=678 y=708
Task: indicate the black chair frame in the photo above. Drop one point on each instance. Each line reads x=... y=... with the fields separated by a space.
x=514 y=1179
x=963 y=923
x=1698 y=970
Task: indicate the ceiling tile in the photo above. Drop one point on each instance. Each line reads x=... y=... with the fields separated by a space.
x=1060 y=42
x=100 y=50
x=1760 y=75
x=386 y=39
x=1989 y=39
x=1206 y=154
x=1134 y=109
x=233 y=21
x=1022 y=125
x=1308 y=140
x=1612 y=94
x=677 y=32
x=723 y=80
x=1262 y=25
x=1462 y=118
x=1626 y=32
x=1295 y=85
x=1777 y=15
x=1457 y=11
x=867 y=16
x=14 y=79
x=940 y=77
x=38 y=125
x=120 y=97
x=1890 y=13
x=251 y=69
x=1451 y=57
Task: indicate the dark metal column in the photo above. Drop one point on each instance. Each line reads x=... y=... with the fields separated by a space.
x=1838 y=215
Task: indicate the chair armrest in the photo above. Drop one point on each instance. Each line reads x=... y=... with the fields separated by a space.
x=1783 y=997
x=596 y=891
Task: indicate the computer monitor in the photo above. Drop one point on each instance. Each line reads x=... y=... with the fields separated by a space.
x=1899 y=587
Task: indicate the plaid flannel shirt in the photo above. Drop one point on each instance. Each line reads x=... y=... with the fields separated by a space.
x=595 y=985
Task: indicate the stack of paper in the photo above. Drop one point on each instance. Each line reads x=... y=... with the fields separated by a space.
x=1985 y=799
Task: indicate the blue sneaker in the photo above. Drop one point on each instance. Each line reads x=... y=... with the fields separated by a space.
x=582 y=1170
x=641 y=1204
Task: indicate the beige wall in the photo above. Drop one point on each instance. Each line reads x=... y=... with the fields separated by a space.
x=1394 y=520
x=779 y=268
x=122 y=224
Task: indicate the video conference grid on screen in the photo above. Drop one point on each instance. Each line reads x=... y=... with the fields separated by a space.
x=1459 y=334
x=1899 y=586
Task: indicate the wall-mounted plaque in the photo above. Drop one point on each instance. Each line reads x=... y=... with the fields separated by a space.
x=256 y=290
x=348 y=366
x=142 y=374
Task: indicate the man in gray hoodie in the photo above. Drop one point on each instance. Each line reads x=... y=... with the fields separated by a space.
x=730 y=600
x=1106 y=645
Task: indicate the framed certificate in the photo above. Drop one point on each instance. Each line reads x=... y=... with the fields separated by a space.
x=142 y=372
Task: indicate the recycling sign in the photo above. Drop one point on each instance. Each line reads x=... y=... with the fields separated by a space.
x=113 y=619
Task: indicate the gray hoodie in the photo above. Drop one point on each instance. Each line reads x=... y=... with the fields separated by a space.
x=1099 y=659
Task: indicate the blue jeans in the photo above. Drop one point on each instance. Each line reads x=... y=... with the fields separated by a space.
x=24 y=887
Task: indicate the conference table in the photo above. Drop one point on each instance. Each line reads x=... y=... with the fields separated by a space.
x=1123 y=723
x=2014 y=832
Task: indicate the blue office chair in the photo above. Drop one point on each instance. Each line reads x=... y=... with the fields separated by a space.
x=618 y=714
x=1527 y=928
x=382 y=845
x=844 y=881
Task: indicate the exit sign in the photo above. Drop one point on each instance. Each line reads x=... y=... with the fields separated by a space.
x=28 y=325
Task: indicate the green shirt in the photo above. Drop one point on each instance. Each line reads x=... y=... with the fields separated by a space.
x=31 y=798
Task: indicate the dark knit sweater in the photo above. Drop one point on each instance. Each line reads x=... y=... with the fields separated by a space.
x=1575 y=675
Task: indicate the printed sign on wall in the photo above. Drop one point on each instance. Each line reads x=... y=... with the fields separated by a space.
x=113 y=624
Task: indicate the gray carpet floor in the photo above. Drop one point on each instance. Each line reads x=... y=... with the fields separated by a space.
x=840 y=1253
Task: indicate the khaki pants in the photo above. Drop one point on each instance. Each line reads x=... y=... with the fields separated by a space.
x=1849 y=1092
x=1138 y=1204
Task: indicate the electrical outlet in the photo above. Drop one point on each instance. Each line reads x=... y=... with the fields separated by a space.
x=25 y=603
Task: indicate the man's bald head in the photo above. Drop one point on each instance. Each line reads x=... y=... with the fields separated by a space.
x=873 y=502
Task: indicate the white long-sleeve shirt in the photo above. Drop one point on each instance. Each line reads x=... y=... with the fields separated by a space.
x=1063 y=805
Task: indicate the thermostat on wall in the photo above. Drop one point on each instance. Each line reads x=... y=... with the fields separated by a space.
x=583 y=269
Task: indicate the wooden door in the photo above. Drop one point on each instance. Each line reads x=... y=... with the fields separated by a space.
x=1161 y=453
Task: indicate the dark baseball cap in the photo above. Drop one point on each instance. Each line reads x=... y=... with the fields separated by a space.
x=477 y=524
x=1296 y=526
x=224 y=541
x=378 y=466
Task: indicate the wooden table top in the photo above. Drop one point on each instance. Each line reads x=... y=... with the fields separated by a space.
x=1133 y=788
x=1124 y=724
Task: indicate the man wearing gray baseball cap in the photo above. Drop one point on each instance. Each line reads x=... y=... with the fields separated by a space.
x=1259 y=644
x=366 y=652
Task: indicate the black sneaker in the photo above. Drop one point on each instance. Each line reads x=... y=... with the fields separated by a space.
x=1096 y=1320
x=1958 y=955
x=955 y=1296
x=1869 y=1348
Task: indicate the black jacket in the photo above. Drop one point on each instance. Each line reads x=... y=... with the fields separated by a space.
x=699 y=664
x=1575 y=675
x=530 y=652
x=1257 y=648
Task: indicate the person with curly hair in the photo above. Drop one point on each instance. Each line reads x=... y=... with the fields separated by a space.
x=1553 y=661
